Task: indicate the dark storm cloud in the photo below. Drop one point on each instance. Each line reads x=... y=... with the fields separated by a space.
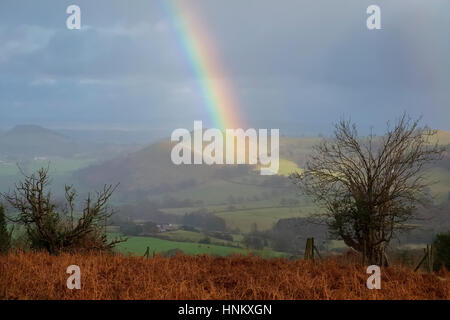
x=296 y=65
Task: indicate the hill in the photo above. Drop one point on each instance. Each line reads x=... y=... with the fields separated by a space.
x=151 y=168
x=25 y=141
x=237 y=194
x=150 y=171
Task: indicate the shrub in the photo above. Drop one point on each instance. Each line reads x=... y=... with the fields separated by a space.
x=442 y=251
x=205 y=240
x=5 y=235
x=254 y=241
x=58 y=229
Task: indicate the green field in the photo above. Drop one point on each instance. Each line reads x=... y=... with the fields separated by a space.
x=138 y=246
x=182 y=211
x=190 y=236
x=264 y=218
x=244 y=218
x=288 y=167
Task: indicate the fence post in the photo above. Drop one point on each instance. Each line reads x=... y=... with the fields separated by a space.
x=309 y=249
x=147 y=252
x=318 y=253
x=432 y=257
x=307 y=255
x=428 y=257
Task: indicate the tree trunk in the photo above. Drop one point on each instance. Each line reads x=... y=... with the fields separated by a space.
x=375 y=255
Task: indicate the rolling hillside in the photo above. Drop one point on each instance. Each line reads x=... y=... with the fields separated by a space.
x=27 y=141
x=151 y=169
x=237 y=194
x=151 y=172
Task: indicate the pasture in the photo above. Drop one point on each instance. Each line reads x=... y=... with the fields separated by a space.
x=138 y=245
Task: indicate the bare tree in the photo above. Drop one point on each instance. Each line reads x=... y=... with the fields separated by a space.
x=56 y=229
x=370 y=187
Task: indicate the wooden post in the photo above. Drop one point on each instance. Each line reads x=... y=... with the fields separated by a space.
x=147 y=252
x=432 y=257
x=309 y=251
x=318 y=253
x=420 y=263
x=428 y=257
x=306 y=255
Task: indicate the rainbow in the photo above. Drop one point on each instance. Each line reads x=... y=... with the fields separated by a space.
x=204 y=61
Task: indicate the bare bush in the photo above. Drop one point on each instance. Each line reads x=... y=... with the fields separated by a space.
x=60 y=229
x=370 y=187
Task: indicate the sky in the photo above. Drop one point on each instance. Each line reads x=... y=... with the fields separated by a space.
x=298 y=66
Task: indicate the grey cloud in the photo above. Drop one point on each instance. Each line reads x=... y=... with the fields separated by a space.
x=311 y=61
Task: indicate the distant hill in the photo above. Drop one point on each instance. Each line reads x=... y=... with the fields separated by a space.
x=148 y=170
x=116 y=137
x=25 y=141
x=151 y=171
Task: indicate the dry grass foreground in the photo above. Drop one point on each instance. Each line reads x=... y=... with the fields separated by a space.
x=41 y=276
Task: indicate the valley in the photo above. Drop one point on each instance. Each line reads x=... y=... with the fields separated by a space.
x=235 y=201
